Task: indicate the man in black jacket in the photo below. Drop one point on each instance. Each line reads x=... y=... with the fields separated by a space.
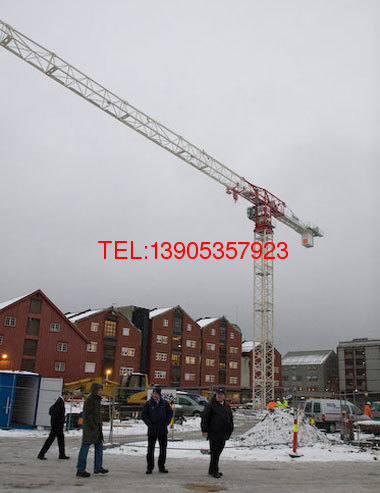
x=57 y=420
x=217 y=424
x=157 y=414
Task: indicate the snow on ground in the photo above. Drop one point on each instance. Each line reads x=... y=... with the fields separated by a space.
x=277 y=429
x=123 y=428
x=269 y=440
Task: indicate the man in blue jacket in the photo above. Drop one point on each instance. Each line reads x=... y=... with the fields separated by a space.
x=157 y=414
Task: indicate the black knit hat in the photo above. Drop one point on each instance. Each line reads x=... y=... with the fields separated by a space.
x=157 y=389
x=221 y=390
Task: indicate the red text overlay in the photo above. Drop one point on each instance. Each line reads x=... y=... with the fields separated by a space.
x=127 y=250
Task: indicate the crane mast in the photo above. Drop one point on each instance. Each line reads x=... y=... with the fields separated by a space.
x=265 y=205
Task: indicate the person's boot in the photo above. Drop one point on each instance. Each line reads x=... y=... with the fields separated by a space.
x=83 y=474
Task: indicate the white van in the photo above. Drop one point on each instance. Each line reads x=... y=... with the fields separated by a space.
x=328 y=413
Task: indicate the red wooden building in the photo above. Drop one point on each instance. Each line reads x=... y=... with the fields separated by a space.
x=174 y=348
x=246 y=371
x=114 y=346
x=221 y=353
x=36 y=336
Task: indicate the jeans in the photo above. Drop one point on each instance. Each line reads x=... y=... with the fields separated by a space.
x=163 y=441
x=82 y=457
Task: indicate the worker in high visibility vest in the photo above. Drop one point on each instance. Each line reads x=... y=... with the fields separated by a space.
x=285 y=403
x=171 y=402
x=271 y=406
x=278 y=403
x=367 y=410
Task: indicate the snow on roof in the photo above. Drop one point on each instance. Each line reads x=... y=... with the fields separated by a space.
x=10 y=302
x=158 y=311
x=303 y=358
x=247 y=346
x=19 y=372
x=206 y=321
x=75 y=317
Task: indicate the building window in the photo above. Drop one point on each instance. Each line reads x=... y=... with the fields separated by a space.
x=109 y=328
x=177 y=340
x=126 y=331
x=62 y=346
x=234 y=380
x=233 y=364
x=213 y=332
x=233 y=350
x=232 y=335
x=125 y=371
x=161 y=356
x=92 y=347
x=162 y=339
x=277 y=383
x=33 y=326
x=276 y=369
x=35 y=306
x=160 y=374
x=54 y=327
x=1 y=340
x=222 y=365
x=89 y=367
x=189 y=377
x=210 y=346
x=165 y=322
x=27 y=364
x=176 y=359
x=94 y=326
x=190 y=343
x=190 y=360
x=59 y=366
x=210 y=378
x=128 y=351
x=210 y=362
x=188 y=327
x=10 y=321
x=30 y=347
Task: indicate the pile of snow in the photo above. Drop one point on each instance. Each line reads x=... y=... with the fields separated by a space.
x=277 y=429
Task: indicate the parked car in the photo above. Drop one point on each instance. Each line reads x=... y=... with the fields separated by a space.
x=200 y=399
x=375 y=408
x=190 y=406
x=328 y=413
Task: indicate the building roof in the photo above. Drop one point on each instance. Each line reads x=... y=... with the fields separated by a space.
x=159 y=311
x=364 y=341
x=247 y=346
x=4 y=304
x=236 y=327
x=75 y=317
x=39 y=292
x=206 y=321
x=295 y=358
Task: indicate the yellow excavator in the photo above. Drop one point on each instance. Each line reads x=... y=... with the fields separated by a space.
x=81 y=388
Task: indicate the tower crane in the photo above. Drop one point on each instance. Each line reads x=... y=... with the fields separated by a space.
x=264 y=205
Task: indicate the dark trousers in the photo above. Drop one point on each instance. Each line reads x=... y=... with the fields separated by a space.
x=216 y=448
x=54 y=433
x=163 y=441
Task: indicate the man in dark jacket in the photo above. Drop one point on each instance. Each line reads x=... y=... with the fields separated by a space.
x=92 y=432
x=57 y=420
x=157 y=414
x=217 y=424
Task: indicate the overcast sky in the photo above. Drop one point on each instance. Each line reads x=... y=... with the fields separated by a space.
x=286 y=93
